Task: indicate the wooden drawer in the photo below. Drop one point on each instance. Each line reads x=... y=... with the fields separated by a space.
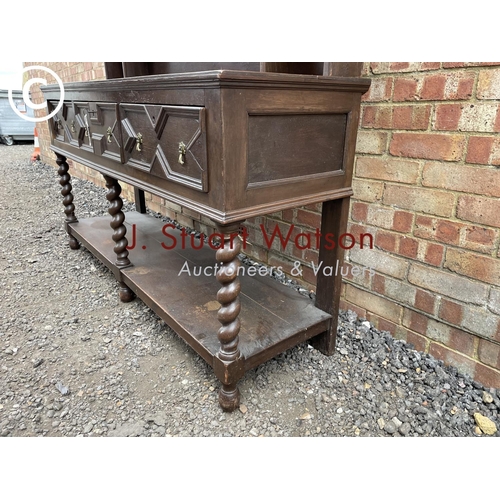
x=167 y=142
x=65 y=126
x=106 y=131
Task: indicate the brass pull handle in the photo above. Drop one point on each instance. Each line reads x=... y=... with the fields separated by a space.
x=139 y=142
x=87 y=126
x=182 y=152
x=109 y=133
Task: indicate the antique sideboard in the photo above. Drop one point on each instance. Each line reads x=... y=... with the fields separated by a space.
x=229 y=144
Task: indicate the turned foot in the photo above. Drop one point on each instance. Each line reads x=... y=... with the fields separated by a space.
x=229 y=397
x=126 y=294
x=74 y=244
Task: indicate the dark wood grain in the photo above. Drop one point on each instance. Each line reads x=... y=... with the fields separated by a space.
x=273 y=317
x=279 y=140
x=333 y=221
x=229 y=141
x=348 y=69
x=284 y=146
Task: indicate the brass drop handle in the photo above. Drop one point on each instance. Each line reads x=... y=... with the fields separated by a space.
x=109 y=133
x=182 y=152
x=139 y=142
x=87 y=126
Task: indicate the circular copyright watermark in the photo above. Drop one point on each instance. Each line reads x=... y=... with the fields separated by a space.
x=27 y=99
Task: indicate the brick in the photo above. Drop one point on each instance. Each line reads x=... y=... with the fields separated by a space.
x=448 y=284
x=425 y=301
x=475 y=266
x=370 y=191
x=414 y=117
x=408 y=247
x=386 y=241
x=359 y=211
x=371 y=142
x=400 y=291
x=464 y=364
x=453 y=64
x=484 y=211
x=451 y=311
x=487 y=376
x=377 y=117
x=419 y=342
x=480 y=239
x=489 y=353
x=438 y=331
x=448 y=232
x=380 y=90
x=388 y=169
x=459 y=85
x=447 y=116
x=419 y=199
x=433 y=254
x=495 y=152
x=191 y=213
x=399 y=66
x=429 y=65
x=481 y=321
x=384 y=325
x=411 y=117
x=494 y=302
x=358 y=231
x=461 y=341
x=403 y=221
x=438 y=229
x=433 y=87
x=405 y=89
x=379 y=216
x=345 y=306
x=479 y=117
x=415 y=321
x=311 y=219
x=465 y=178
x=479 y=149
x=427 y=146
x=488 y=85
x=378 y=284
x=379 y=261
x=356 y=274
x=373 y=303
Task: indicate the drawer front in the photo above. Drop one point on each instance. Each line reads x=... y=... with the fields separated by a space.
x=106 y=131
x=166 y=141
x=65 y=126
x=72 y=125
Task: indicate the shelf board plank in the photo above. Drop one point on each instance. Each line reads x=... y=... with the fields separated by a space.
x=273 y=317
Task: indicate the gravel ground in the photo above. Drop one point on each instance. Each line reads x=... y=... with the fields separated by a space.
x=75 y=361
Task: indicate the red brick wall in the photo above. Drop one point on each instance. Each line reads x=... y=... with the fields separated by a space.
x=427 y=187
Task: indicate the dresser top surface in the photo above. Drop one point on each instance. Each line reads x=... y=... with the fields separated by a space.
x=219 y=79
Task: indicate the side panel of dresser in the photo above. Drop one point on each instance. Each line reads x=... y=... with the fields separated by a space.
x=288 y=147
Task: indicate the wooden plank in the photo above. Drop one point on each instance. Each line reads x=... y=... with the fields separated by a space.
x=333 y=221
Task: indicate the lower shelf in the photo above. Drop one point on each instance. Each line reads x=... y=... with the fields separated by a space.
x=273 y=317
